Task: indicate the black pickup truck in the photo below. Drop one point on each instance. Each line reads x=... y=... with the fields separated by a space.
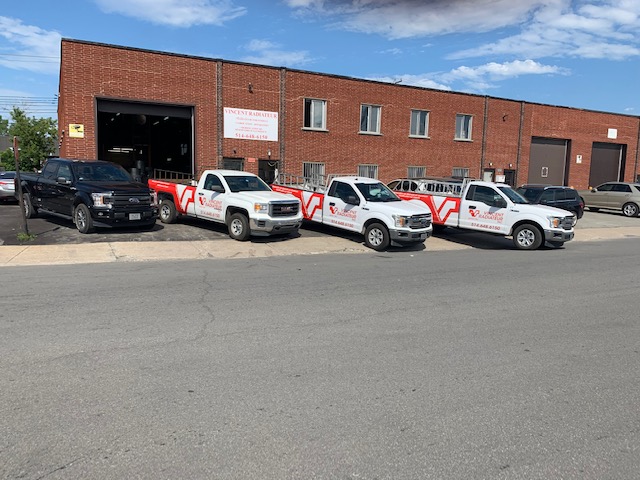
x=91 y=193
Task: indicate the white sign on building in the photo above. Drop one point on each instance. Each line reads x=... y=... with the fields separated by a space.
x=250 y=124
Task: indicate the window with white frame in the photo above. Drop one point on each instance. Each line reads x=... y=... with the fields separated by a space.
x=419 y=123
x=370 y=119
x=314 y=171
x=460 y=172
x=315 y=114
x=370 y=171
x=416 y=172
x=463 y=127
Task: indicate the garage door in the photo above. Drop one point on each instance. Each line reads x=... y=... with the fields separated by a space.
x=548 y=161
x=607 y=163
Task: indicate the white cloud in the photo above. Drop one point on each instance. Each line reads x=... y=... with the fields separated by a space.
x=25 y=47
x=175 y=13
x=476 y=79
x=607 y=30
x=416 y=18
x=269 y=53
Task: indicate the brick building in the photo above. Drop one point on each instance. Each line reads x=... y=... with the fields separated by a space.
x=172 y=116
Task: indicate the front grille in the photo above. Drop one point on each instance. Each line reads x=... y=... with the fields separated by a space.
x=131 y=202
x=419 y=221
x=284 y=209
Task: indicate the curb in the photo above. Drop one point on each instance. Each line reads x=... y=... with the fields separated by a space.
x=25 y=255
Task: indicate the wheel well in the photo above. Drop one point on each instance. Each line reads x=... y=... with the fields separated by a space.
x=165 y=196
x=232 y=210
x=527 y=222
x=373 y=220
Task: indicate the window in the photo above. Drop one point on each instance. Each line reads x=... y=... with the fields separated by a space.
x=416 y=172
x=419 y=123
x=460 y=172
x=342 y=191
x=212 y=181
x=621 y=187
x=315 y=114
x=313 y=171
x=233 y=164
x=370 y=119
x=50 y=170
x=463 y=127
x=370 y=171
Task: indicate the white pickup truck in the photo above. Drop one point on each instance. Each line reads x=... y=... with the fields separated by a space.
x=361 y=205
x=241 y=200
x=489 y=207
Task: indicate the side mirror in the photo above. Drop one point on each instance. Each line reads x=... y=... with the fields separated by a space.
x=500 y=203
x=63 y=181
x=217 y=189
x=352 y=200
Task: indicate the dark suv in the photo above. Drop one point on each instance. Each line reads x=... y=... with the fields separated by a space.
x=555 y=196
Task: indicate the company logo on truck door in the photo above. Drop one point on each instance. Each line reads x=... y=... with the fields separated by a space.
x=351 y=214
x=495 y=217
x=215 y=204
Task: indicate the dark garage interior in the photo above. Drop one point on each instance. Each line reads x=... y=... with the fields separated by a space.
x=149 y=140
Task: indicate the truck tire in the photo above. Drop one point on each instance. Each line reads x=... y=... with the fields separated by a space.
x=29 y=210
x=630 y=209
x=527 y=237
x=239 y=227
x=376 y=236
x=82 y=219
x=168 y=212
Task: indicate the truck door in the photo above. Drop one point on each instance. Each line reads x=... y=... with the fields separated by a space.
x=209 y=198
x=484 y=208
x=341 y=207
x=46 y=187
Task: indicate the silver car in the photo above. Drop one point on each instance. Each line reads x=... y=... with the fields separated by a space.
x=7 y=186
x=621 y=196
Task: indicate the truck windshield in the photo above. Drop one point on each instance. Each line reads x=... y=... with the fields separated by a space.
x=514 y=196
x=377 y=192
x=246 y=183
x=100 y=172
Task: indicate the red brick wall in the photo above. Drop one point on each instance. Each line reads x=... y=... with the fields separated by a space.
x=90 y=71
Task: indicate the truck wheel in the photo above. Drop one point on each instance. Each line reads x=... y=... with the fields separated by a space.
x=168 y=212
x=239 y=227
x=29 y=210
x=630 y=210
x=376 y=236
x=82 y=219
x=527 y=237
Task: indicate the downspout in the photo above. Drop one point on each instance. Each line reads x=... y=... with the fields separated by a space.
x=282 y=117
x=484 y=135
x=519 y=154
x=219 y=113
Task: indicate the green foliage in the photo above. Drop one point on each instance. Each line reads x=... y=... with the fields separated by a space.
x=37 y=139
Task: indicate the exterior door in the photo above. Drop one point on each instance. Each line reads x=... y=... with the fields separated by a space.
x=208 y=202
x=607 y=163
x=548 y=161
x=341 y=207
x=481 y=210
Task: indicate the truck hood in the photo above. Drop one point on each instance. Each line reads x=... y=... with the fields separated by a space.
x=542 y=210
x=398 y=208
x=115 y=187
x=264 y=197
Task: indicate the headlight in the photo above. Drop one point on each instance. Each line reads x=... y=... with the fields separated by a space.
x=154 y=198
x=261 y=207
x=555 y=222
x=400 y=220
x=101 y=200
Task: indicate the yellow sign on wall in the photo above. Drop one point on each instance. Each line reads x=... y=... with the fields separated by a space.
x=76 y=130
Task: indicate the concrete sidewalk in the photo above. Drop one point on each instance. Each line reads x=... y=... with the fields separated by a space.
x=104 y=252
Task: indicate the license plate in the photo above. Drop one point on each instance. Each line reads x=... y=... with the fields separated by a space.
x=134 y=216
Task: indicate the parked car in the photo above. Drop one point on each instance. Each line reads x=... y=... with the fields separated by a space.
x=7 y=186
x=621 y=196
x=555 y=196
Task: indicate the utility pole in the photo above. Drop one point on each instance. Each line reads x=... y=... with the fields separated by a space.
x=16 y=156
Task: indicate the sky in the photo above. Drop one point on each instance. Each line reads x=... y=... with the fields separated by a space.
x=581 y=54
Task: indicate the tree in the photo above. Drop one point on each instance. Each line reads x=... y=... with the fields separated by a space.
x=38 y=137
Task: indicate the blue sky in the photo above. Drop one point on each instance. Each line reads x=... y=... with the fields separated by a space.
x=582 y=54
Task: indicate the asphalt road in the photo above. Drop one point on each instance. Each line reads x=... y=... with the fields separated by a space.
x=457 y=365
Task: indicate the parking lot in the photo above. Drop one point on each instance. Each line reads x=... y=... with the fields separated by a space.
x=51 y=230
